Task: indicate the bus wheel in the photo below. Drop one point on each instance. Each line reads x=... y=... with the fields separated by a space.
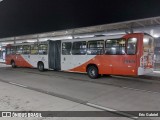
x=92 y=72
x=13 y=64
x=40 y=66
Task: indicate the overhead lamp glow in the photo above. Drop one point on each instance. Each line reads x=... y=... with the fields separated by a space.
x=5 y=43
x=84 y=36
x=134 y=39
x=156 y=35
x=145 y=40
x=31 y=40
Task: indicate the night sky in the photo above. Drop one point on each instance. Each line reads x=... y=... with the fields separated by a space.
x=20 y=17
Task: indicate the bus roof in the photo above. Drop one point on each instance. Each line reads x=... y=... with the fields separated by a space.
x=80 y=39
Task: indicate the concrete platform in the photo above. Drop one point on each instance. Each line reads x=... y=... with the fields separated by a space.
x=152 y=76
x=15 y=98
x=2 y=61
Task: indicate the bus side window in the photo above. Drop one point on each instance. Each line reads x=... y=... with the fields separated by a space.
x=8 y=51
x=148 y=44
x=13 y=50
x=115 y=47
x=95 y=47
x=42 y=49
x=66 y=48
x=34 y=49
x=132 y=46
x=26 y=49
x=79 y=48
x=19 y=49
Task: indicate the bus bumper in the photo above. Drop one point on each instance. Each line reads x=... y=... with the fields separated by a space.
x=143 y=71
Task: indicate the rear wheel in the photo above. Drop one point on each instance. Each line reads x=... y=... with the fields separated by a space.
x=92 y=72
x=13 y=64
x=41 y=66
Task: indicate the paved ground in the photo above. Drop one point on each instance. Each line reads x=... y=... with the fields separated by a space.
x=15 y=98
x=65 y=91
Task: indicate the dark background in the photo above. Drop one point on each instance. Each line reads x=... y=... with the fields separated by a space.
x=19 y=17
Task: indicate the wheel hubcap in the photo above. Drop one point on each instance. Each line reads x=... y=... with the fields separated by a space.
x=40 y=67
x=92 y=72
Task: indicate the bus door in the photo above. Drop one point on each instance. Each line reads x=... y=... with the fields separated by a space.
x=54 y=55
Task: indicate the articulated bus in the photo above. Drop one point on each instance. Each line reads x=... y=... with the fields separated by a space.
x=129 y=54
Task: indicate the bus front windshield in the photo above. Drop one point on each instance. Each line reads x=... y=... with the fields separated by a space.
x=148 y=44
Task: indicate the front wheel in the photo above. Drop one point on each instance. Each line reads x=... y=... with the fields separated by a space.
x=41 y=66
x=13 y=64
x=92 y=72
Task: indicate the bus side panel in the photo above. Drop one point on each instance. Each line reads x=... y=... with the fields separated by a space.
x=79 y=63
x=33 y=60
x=106 y=65
x=18 y=59
x=123 y=65
x=75 y=63
x=8 y=59
x=21 y=61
